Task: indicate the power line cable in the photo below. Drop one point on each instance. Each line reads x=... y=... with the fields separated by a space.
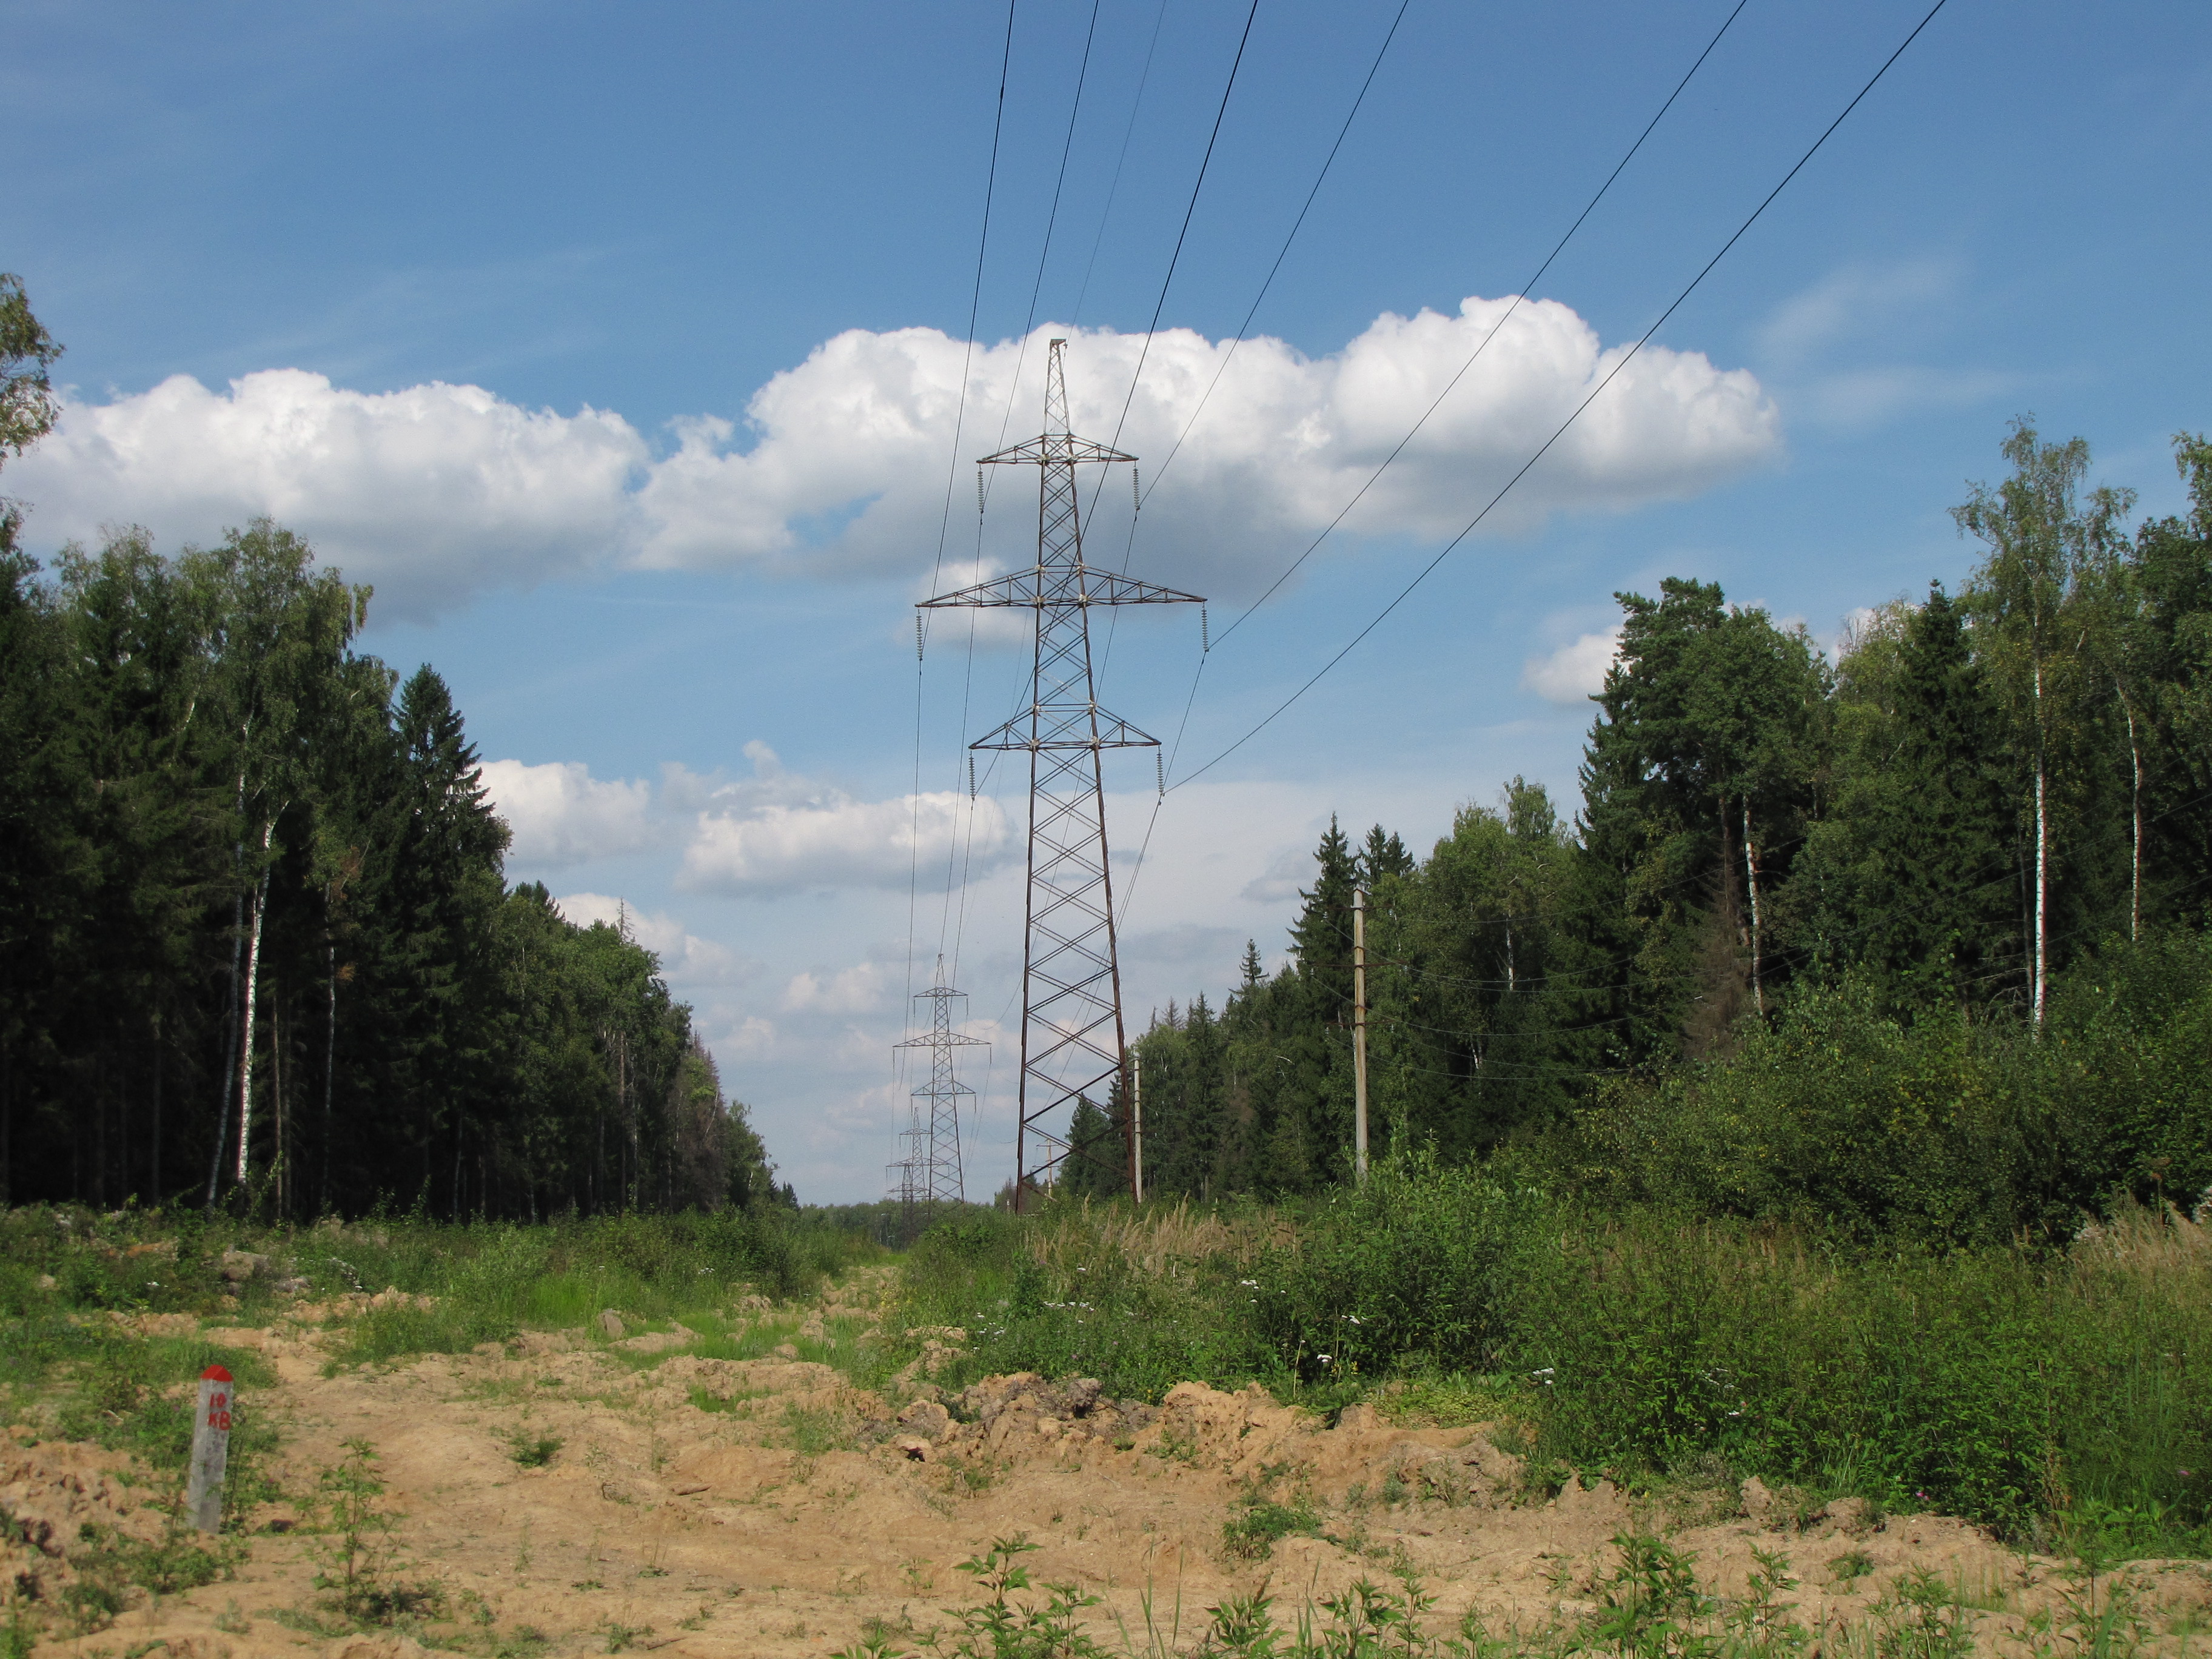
x=976 y=297
x=959 y=848
x=1483 y=344
x=1173 y=258
x=1282 y=253
x=1044 y=253
x=1628 y=357
x=944 y=522
x=1128 y=133
x=1191 y=698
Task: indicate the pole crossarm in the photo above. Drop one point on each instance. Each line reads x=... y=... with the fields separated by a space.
x=1041 y=586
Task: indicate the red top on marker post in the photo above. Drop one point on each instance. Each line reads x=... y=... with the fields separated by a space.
x=215 y=1374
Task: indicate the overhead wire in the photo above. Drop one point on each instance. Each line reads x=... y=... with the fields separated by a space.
x=1183 y=234
x=1483 y=344
x=1282 y=253
x=1190 y=208
x=1044 y=254
x=1128 y=132
x=1190 y=698
x=962 y=847
x=1243 y=328
x=952 y=472
x=1596 y=392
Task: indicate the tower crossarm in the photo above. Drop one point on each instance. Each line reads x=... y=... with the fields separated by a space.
x=1054 y=449
x=1077 y=726
x=1041 y=586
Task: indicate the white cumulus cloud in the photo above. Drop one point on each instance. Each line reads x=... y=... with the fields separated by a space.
x=438 y=492
x=845 y=464
x=433 y=493
x=856 y=990
x=1575 y=672
x=833 y=840
x=778 y=832
x=561 y=815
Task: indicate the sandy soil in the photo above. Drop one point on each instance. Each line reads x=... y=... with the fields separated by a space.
x=798 y=1508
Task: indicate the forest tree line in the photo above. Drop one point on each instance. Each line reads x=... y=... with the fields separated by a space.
x=256 y=938
x=1913 y=939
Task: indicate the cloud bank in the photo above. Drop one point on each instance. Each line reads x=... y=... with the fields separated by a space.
x=438 y=492
x=773 y=832
x=561 y=815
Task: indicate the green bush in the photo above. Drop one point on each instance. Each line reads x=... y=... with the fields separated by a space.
x=1945 y=1129
x=1093 y=1309
x=1423 y=1264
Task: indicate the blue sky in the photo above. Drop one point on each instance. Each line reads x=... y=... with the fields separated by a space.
x=621 y=348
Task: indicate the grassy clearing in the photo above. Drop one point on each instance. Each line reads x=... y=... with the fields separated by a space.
x=485 y=1282
x=2064 y=1397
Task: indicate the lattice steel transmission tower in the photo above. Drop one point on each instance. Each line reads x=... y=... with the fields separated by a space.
x=931 y=1173
x=1073 y=1043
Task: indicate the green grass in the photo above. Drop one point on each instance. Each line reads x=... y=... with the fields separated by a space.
x=489 y=1282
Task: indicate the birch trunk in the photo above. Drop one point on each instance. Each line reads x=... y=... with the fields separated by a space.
x=259 y=910
x=230 y=1049
x=2042 y=854
x=1750 y=886
x=2135 y=804
x=330 y=1075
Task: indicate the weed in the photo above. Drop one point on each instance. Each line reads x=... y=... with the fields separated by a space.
x=1252 y=1534
x=358 y=1554
x=706 y=1400
x=621 y=1637
x=1850 y=1566
x=1921 y=1618
x=531 y=1451
x=109 y=1563
x=1004 y=1627
x=814 y=1433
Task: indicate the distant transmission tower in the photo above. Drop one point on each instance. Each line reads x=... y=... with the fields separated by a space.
x=931 y=1174
x=1074 y=1044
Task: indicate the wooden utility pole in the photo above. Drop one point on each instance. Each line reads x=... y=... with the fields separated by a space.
x=1359 y=1036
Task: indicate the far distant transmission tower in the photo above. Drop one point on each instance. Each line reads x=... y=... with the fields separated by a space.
x=931 y=1174
x=1074 y=1044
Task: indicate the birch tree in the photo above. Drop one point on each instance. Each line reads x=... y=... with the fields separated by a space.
x=2045 y=540
x=280 y=644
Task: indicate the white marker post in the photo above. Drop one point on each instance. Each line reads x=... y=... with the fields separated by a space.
x=210 y=1451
